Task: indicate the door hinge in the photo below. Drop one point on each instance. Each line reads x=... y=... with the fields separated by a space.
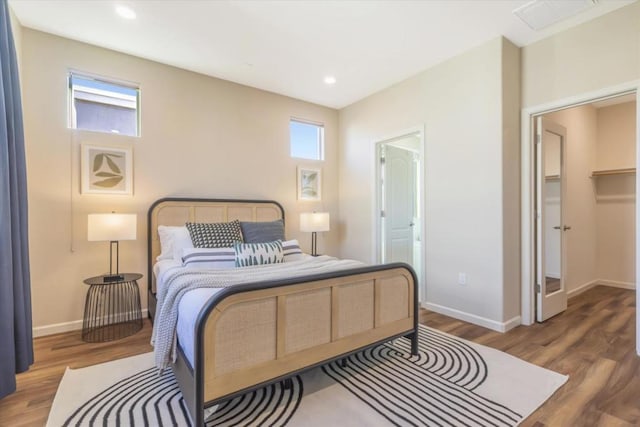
x=538 y=289
x=382 y=160
x=382 y=214
x=538 y=139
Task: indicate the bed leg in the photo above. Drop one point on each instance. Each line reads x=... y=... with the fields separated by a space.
x=414 y=343
x=287 y=384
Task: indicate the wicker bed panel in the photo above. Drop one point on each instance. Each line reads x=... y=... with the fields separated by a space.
x=393 y=295
x=245 y=336
x=308 y=320
x=354 y=305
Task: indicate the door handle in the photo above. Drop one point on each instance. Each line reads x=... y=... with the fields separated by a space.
x=557 y=227
x=566 y=227
x=411 y=224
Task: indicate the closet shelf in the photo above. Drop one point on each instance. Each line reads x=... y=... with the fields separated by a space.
x=605 y=172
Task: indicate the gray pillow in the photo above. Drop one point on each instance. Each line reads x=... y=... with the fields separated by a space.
x=262 y=232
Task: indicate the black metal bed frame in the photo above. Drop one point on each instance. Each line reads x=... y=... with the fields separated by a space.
x=190 y=379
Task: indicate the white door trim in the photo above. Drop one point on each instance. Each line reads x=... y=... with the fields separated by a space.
x=420 y=130
x=528 y=191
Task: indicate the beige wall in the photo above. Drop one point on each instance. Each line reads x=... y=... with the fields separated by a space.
x=616 y=194
x=601 y=53
x=511 y=178
x=468 y=150
x=616 y=147
x=580 y=203
x=201 y=137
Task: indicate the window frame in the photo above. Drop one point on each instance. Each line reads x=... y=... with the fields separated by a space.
x=320 y=142
x=71 y=113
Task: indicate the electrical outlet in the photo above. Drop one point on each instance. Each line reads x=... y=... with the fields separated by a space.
x=462 y=279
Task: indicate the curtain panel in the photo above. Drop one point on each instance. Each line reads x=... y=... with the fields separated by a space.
x=16 y=343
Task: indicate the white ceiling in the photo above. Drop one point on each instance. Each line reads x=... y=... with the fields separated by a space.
x=288 y=47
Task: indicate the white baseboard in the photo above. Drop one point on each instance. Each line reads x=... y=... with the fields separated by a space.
x=582 y=288
x=58 y=328
x=604 y=282
x=472 y=318
x=617 y=284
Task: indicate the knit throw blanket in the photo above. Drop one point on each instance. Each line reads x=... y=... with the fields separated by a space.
x=183 y=280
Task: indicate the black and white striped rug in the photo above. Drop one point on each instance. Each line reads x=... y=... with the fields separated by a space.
x=452 y=382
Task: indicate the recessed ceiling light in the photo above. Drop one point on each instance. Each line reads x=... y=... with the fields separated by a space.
x=330 y=80
x=125 y=12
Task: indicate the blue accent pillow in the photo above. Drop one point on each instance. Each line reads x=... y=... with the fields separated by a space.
x=262 y=232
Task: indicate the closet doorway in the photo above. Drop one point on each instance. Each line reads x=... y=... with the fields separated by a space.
x=399 y=202
x=585 y=200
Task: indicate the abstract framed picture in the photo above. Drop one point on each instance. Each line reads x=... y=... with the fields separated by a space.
x=309 y=183
x=106 y=170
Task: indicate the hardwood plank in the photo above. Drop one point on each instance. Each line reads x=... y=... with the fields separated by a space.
x=36 y=388
x=593 y=342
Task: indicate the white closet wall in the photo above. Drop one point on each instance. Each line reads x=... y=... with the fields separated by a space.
x=615 y=194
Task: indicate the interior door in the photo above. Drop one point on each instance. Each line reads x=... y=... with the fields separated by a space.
x=399 y=204
x=551 y=294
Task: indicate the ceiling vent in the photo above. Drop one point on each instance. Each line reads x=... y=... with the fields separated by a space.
x=539 y=14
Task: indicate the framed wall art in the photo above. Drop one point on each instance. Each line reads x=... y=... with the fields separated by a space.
x=309 y=183
x=106 y=170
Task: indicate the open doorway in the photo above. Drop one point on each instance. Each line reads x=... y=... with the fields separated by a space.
x=592 y=210
x=399 y=202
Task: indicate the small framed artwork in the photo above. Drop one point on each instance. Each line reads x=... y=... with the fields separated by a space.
x=309 y=183
x=106 y=170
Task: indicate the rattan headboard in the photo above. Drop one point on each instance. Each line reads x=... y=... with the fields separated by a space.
x=178 y=211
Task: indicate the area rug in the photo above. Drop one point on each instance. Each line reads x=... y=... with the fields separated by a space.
x=452 y=382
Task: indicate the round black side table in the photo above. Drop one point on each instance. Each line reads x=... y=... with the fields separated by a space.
x=112 y=308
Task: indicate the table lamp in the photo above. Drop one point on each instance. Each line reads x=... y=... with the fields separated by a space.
x=112 y=227
x=314 y=222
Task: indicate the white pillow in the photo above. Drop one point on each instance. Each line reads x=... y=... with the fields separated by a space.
x=172 y=241
x=221 y=258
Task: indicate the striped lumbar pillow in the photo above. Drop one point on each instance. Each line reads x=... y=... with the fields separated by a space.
x=292 y=251
x=258 y=253
x=219 y=258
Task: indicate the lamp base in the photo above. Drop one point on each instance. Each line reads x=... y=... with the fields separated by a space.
x=113 y=278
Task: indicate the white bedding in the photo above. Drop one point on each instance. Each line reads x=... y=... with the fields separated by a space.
x=190 y=289
x=188 y=310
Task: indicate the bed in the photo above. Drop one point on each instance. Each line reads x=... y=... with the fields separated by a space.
x=252 y=334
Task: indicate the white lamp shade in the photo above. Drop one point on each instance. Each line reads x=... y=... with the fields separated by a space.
x=314 y=221
x=111 y=227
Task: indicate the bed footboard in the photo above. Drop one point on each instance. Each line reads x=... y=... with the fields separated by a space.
x=255 y=334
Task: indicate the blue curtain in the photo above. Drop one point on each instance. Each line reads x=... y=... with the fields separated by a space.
x=16 y=343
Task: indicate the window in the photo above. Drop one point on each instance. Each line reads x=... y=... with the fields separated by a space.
x=103 y=106
x=307 y=140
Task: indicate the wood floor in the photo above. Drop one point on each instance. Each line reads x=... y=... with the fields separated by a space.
x=593 y=342
x=30 y=404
